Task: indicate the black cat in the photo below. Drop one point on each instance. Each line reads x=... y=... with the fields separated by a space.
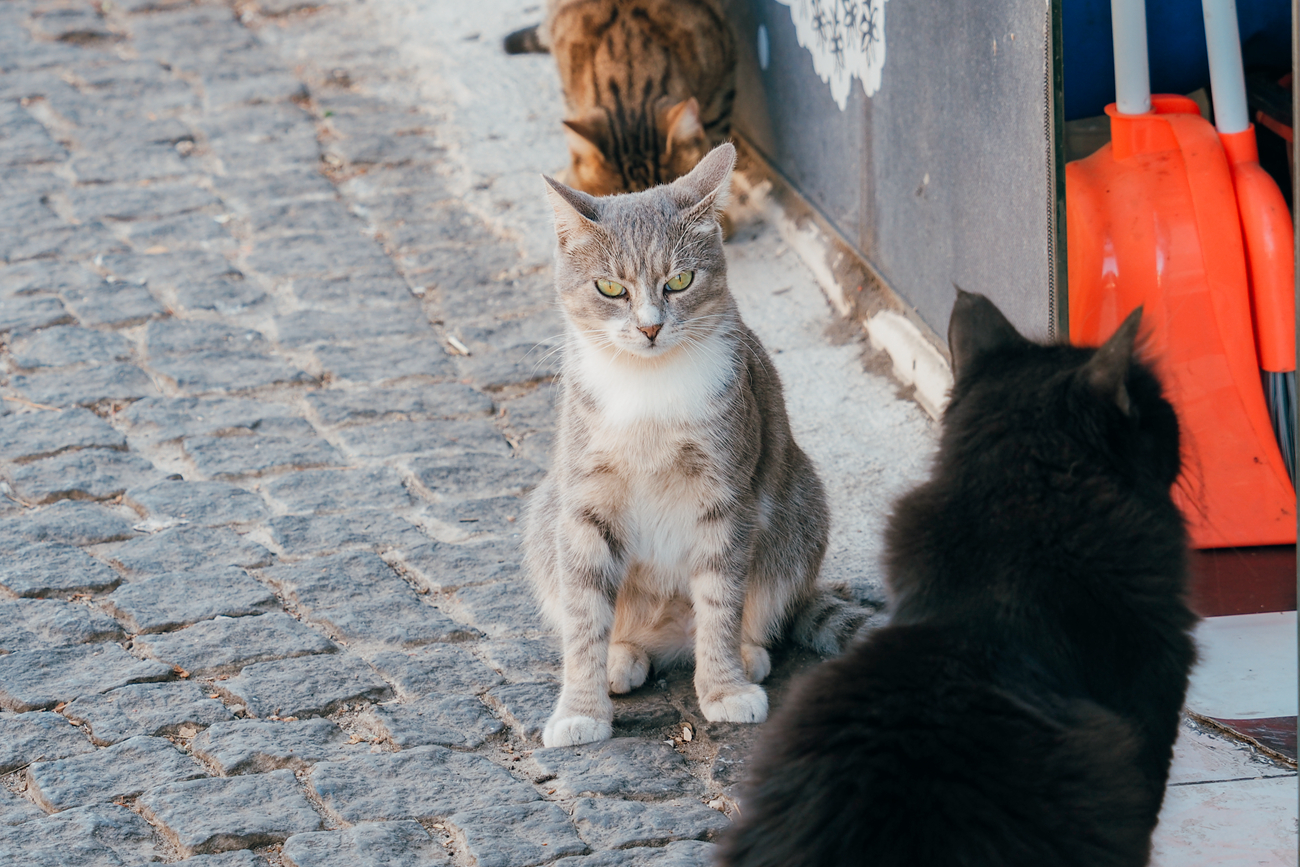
x=1022 y=704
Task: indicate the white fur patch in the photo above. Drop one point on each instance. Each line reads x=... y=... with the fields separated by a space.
x=678 y=388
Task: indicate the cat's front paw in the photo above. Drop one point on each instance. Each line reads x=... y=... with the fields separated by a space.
x=628 y=667
x=571 y=730
x=748 y=704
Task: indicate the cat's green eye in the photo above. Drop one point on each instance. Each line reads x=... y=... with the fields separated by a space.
x=610 y=289
x=678 y=282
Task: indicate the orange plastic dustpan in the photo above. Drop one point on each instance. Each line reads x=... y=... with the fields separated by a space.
x=1153 y=219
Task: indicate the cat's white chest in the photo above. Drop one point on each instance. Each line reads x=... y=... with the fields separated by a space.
x=681 y=389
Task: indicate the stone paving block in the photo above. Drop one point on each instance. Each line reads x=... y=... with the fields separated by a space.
x=357 y=598
x=217 y=815
x=534 y=411
x=246 y=192
x=87 y=386
x=141 y=162
x=434 y=668
x=618 y=767
x=608 y=823
x=42 y=276
x=226 y=644
x=203 y=503
x=318 y=254
x=179 y=232
x=386 y=362
x=227 y=371
x=67 y=242
x=452 y=438
x=40 y=679
x=38 y=624
x=393 y=844
x=70 y=522
x=440 y=400
x=311 y=327
x=419 y=783
x=477 y=476
x=728 y=766
x=304 y=686
x=172 y=271
x=500 y=367
x=86 y=474
x=501 y=609
x=163 y=419
x=117 y=305
x=145 y=709
x=525 y=706
x=495 y=515
x=139 y=203
x=516 y=835
x=445 y=720
x=258 y=746
x=234 y=456
x=442 y=565
x=228 y=295
x=47 y=569
x=38 y=736
x=525 y=658
x=325 y=491
x=319 y=534
x=258 y=138
x=15 y=810
x=29 y=312
x=238 y=857
x=187 y=548
x=177 y=599
x=173 y=336
x=104 y=835
x=684 y=853
x=31 y=435
x=296 y=216
x=345 y=293
x=121 y=770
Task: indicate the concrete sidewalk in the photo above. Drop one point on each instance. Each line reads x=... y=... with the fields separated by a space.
x=277 y=315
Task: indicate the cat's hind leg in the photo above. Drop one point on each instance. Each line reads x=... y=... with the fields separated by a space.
x=724 y=691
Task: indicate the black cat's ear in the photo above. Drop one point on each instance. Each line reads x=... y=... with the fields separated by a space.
x=705 y=189
x=977 y=327
x=575 y=212
x=1107 y=371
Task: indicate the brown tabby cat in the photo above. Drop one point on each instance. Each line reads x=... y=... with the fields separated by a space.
x=648 y=86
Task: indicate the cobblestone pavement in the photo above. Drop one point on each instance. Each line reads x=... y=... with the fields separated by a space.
x=272 y=394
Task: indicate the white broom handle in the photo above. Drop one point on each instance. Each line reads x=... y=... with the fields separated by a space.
x=1132 y=81
x=1227 y=81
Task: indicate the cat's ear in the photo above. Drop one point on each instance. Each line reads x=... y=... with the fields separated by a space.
x=1107 y=371
x=587 y=137
x=703 y=191
x=976 y=327
x=683 y=126
x=575 y=212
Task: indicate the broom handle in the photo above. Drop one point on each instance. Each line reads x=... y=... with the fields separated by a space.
x=1132 y=81
x=1227 y=80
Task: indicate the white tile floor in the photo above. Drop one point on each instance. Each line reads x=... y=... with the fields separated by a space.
x=1228 y=806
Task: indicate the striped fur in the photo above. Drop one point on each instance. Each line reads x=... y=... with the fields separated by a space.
x=679 y=517
x=648 y=87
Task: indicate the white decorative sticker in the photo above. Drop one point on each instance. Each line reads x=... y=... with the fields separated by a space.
x=846 y=39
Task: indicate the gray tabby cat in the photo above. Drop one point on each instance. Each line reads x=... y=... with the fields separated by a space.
x=679 y=515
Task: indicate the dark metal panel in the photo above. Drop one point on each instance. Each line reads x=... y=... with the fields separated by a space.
x=951 y=161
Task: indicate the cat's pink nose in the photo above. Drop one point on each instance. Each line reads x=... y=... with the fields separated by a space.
x=651 y=331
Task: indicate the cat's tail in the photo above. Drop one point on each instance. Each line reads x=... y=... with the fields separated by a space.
x=525 y=41
x=830 y=620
